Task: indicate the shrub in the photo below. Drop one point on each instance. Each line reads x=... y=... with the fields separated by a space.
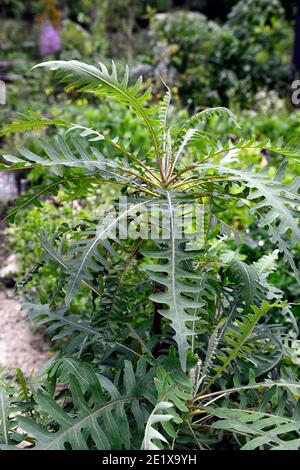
x=177 y=343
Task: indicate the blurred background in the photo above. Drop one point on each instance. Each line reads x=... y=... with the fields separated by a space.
x=240 y=54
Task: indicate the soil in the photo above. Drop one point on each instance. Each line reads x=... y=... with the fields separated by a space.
x=19 y=346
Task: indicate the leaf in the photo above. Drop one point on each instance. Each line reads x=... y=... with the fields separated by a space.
x=93 y=423
x=89 y=79
x=252 y=386
x=265 y=266
x=209 y=113
x=24 y=390
x=267 y=263
x=61 y=152
x=164 y=108
x=31 y=121
x=77 y=186
x=53 y=249
x=85 y=253
x=34 y=121
x=4 y=413
x=210 y=356
x=266 y=144
x=247 y=287
x=61 y=325
x=236 y=338
x=190 y=133
x=279 y=200
x=275 y=204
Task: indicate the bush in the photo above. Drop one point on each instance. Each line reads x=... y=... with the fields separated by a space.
x=227 y=64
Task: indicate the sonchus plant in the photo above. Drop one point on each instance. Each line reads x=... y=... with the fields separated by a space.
x=176 y=343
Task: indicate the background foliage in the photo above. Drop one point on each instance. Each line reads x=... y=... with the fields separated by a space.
x=115 y=380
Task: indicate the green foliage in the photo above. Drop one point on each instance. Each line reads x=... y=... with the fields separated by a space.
x=236 y=339
x=61 y=325
x=158 y=415
x=89 y=79
x=263 y=431
x=249 y=290
x=171 y=274
x=228 y=63
x=4 y=407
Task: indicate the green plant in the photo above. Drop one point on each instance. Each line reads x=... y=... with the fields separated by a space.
x=177 y=318
x=227 y=64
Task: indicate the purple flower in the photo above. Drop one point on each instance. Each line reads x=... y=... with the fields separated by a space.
x=49 y=40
